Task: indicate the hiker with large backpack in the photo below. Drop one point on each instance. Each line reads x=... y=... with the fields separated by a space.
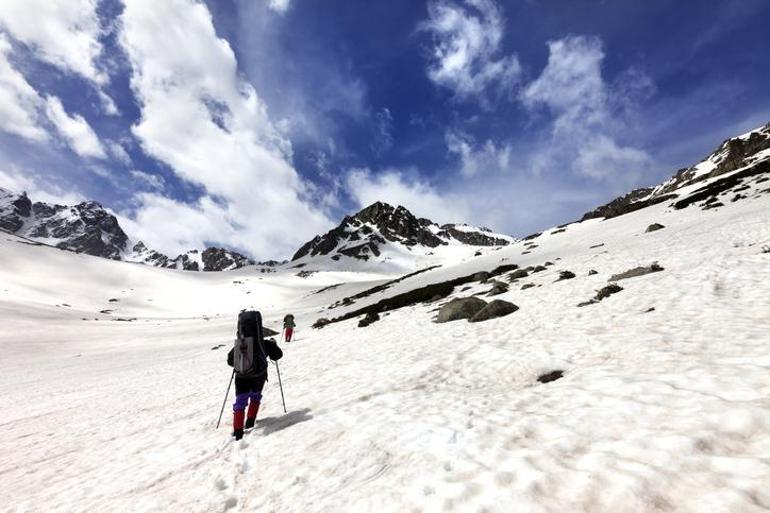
x=248 y=358
x=288 y=327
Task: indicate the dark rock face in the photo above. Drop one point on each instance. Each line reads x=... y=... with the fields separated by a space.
x=361 y=236
x=496 y=308
x=460 y=308
x=482 y=276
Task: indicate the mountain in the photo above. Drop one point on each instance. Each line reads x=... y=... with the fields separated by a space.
x=381 y=228
x=89 y=228
x=748 y=153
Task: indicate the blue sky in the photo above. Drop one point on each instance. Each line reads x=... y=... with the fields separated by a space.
x=255 y=124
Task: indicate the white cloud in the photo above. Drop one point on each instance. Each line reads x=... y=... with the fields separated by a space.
x=173 y=227
x=383 y=131
x=587 y=113
x=484 y=158
x=466 y=41
x=150 y=180
x=37 y=189
x=417 y=196
x=199 y=117
x=19 y=102
x=74 y=129
x=571 y=85
x=279 y=6
x=64 y=33
x=118 y=151
x=602 y=158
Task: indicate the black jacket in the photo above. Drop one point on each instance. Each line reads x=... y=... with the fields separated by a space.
x=271 y=348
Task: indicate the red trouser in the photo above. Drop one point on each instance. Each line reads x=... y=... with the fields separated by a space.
x=288 y=332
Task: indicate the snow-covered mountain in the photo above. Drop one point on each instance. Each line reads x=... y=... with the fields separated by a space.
x=382 y=234
x=89 y=228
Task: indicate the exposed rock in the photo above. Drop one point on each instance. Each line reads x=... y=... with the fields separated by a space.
x=460 y=308
x=368 y=319
x=518 y=274
x=320 y=323
x=631 y=202
x=497 y=289
x=267 y=332
x=496 y=308
x=539 y=268
x=482 y=276
x=607 y=291
x=654 y=227
x=550 y=376
x=637 y=271
x=527 y=286
x=220 y=259
x=592 y=272
x=566 y=275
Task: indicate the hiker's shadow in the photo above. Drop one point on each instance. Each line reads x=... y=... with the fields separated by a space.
x=272 y=424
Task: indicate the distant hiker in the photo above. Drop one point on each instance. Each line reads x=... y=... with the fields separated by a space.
x=249 y=361
x=288 y=327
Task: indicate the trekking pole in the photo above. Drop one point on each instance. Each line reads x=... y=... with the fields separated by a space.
x=225 y=401
x=280 y=385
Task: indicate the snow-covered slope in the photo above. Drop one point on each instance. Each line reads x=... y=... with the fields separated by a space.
x=382 y=237
x=113 y=375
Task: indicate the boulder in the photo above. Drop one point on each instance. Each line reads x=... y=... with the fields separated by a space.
x=460 y=308
x=592 y=272
x=482 y=276
x=496 y=308
x=654 y=227
x=517 y=274
x=566 y=275
x=550 y=376
x=539 y=268
x=497 y=289
x=527 y=286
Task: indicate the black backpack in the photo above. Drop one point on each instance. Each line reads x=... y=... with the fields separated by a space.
x=249 y=357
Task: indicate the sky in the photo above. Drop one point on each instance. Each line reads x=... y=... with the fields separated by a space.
x=257 y=124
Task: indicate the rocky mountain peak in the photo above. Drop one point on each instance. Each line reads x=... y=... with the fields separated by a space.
x=364 y=234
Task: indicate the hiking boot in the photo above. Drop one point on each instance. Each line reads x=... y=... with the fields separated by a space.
x=250 y=423
x=238 y=434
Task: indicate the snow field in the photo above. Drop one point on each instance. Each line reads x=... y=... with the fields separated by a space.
x=663 y=410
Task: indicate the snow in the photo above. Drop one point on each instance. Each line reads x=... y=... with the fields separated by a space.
x=663 y=410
